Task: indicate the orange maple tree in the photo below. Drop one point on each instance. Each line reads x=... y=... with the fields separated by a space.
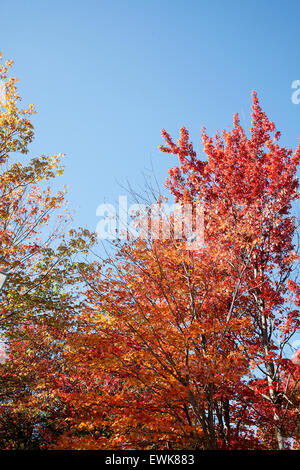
x=181 y=348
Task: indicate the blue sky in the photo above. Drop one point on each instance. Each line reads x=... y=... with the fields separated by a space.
x=107 y=76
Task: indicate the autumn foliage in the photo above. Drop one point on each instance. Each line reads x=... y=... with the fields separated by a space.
x=38 y=301
x=157 y=346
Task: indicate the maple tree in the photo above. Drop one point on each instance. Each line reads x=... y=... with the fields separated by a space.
x=25 y=205
x=39 y=299
x=187 y=349
x=251 y=183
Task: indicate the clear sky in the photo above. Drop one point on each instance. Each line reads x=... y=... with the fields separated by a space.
x=106 y=76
